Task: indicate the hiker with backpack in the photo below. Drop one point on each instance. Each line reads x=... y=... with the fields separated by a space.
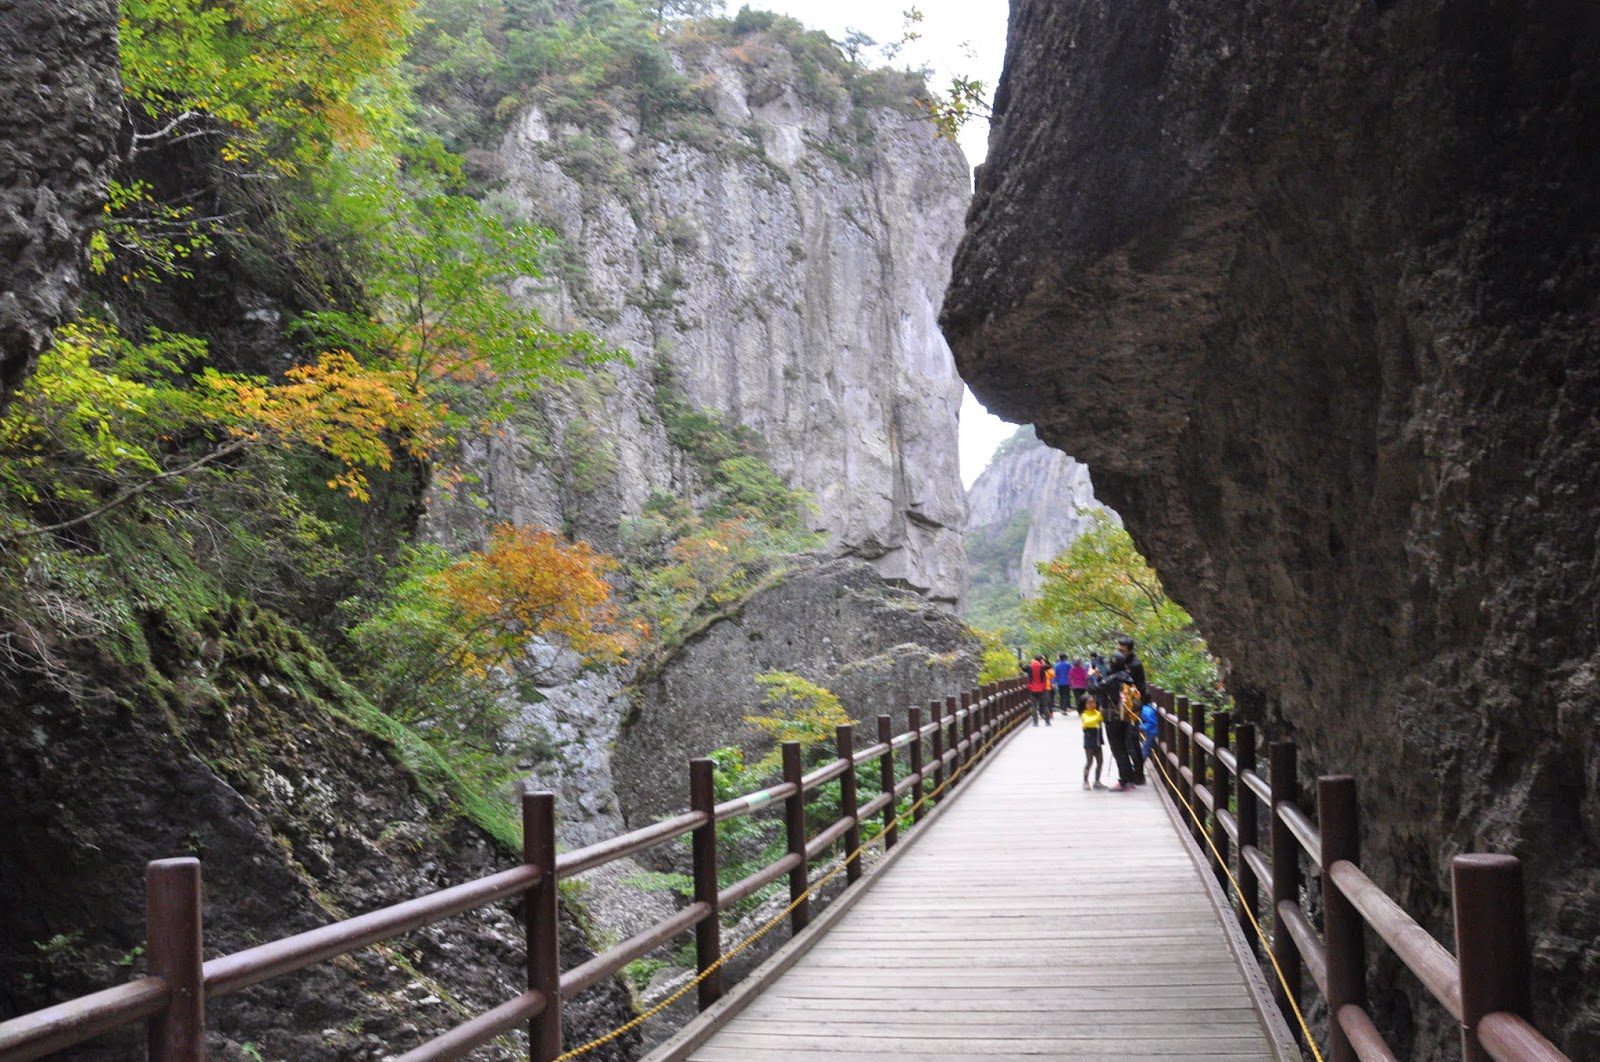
x=1121 y=728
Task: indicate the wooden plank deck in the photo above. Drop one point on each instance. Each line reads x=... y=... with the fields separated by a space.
x=1034 y=919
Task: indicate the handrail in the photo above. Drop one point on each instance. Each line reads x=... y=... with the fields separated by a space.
x=730 y=809
x=231 y=973
x=826 y=773
x=627 y=844
x=44 y=1032
x=1304 y=935
x=984 y=715
x=615 y=958
x=1365 y=1039
x=1434 y=966
x=1490 y=934
x=1510 y=1038
x=473 y=1034
x=1304 y=830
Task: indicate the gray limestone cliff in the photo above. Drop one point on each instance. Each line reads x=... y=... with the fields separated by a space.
x=1033 y=489
x=58 y=80
x=781 y=261
x=1341 y=260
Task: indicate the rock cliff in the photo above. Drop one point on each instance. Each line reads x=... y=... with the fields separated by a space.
x=58 y=78
x=1028 y=485
x=1341 y=263
x=781 y=259
x=879 y=648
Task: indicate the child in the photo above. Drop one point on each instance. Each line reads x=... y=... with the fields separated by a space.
x=1149 y=726
x=1093 y=753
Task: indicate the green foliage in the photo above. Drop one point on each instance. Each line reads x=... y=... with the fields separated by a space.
x=999 y=659
x=993 y=602
x=794 y=709
x=1101 y=587
x=1024 y=438
x=683 y=564
x=435 y=268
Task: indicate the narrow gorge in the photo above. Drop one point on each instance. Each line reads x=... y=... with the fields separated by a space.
x=753 y=232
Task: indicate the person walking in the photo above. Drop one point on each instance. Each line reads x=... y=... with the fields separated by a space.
x=1117 y=723
x=1093 y=743
x=1037 y=672
x=1078 y=682
x=1063 y=684
x=1134 y=695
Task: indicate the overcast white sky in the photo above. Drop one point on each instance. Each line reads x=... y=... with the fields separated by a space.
x=966 y=37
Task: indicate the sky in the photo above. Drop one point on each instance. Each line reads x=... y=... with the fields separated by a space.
x=966 y=37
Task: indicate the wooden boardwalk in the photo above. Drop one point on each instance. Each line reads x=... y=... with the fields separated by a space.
x=1041 y=921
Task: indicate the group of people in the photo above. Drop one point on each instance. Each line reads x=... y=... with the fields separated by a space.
x=1114 y=709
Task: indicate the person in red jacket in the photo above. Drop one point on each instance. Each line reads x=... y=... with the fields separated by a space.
x=1037 y=672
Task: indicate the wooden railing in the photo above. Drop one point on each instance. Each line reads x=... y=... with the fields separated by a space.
x=1484 y=985
x=172 y=998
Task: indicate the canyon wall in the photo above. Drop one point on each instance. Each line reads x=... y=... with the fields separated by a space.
x=1029 y=484
x=780 y=263
x=58 y=78
x=1338 y=264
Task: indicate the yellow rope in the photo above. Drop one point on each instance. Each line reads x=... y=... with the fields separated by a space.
x=1266 y=946
x=955 y=772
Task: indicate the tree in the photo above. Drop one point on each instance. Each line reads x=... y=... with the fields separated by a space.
x=436 y=269
x=1101 y=587
x=795 y=709
x=855 y=45
x=447 y=623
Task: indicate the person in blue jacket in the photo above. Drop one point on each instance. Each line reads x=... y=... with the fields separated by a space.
x=1063 y=683
x=1149 y=726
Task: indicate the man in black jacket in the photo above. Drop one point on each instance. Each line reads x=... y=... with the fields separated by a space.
x=1125 y=669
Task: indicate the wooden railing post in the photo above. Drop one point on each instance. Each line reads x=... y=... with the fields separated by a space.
x=1342 y=928
x=1491 y=943
x=845 y=736
x=707 y=931
x=1249 y=834
x=914 y=727
x=794 y=828
x=891 y=822
x=936 y=717
x=541 y=923
x=1285 y=871
x=173 y=951
x=1197 y=767
x=1221 y=789
x=1183 y=742
x=966 y=726
x=951 y=711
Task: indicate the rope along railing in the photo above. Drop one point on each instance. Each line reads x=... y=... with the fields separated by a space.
x=886 y=833
x=1212 y=773
x=171 y=999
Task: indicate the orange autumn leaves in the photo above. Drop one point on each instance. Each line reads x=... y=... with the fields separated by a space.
x=356 y=414
x=527 y=583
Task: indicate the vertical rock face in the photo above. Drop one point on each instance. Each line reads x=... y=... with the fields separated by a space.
x=783 y=267
x=1340 y=262
x=879 y=648
x=58 y=122
x=1039 y=487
